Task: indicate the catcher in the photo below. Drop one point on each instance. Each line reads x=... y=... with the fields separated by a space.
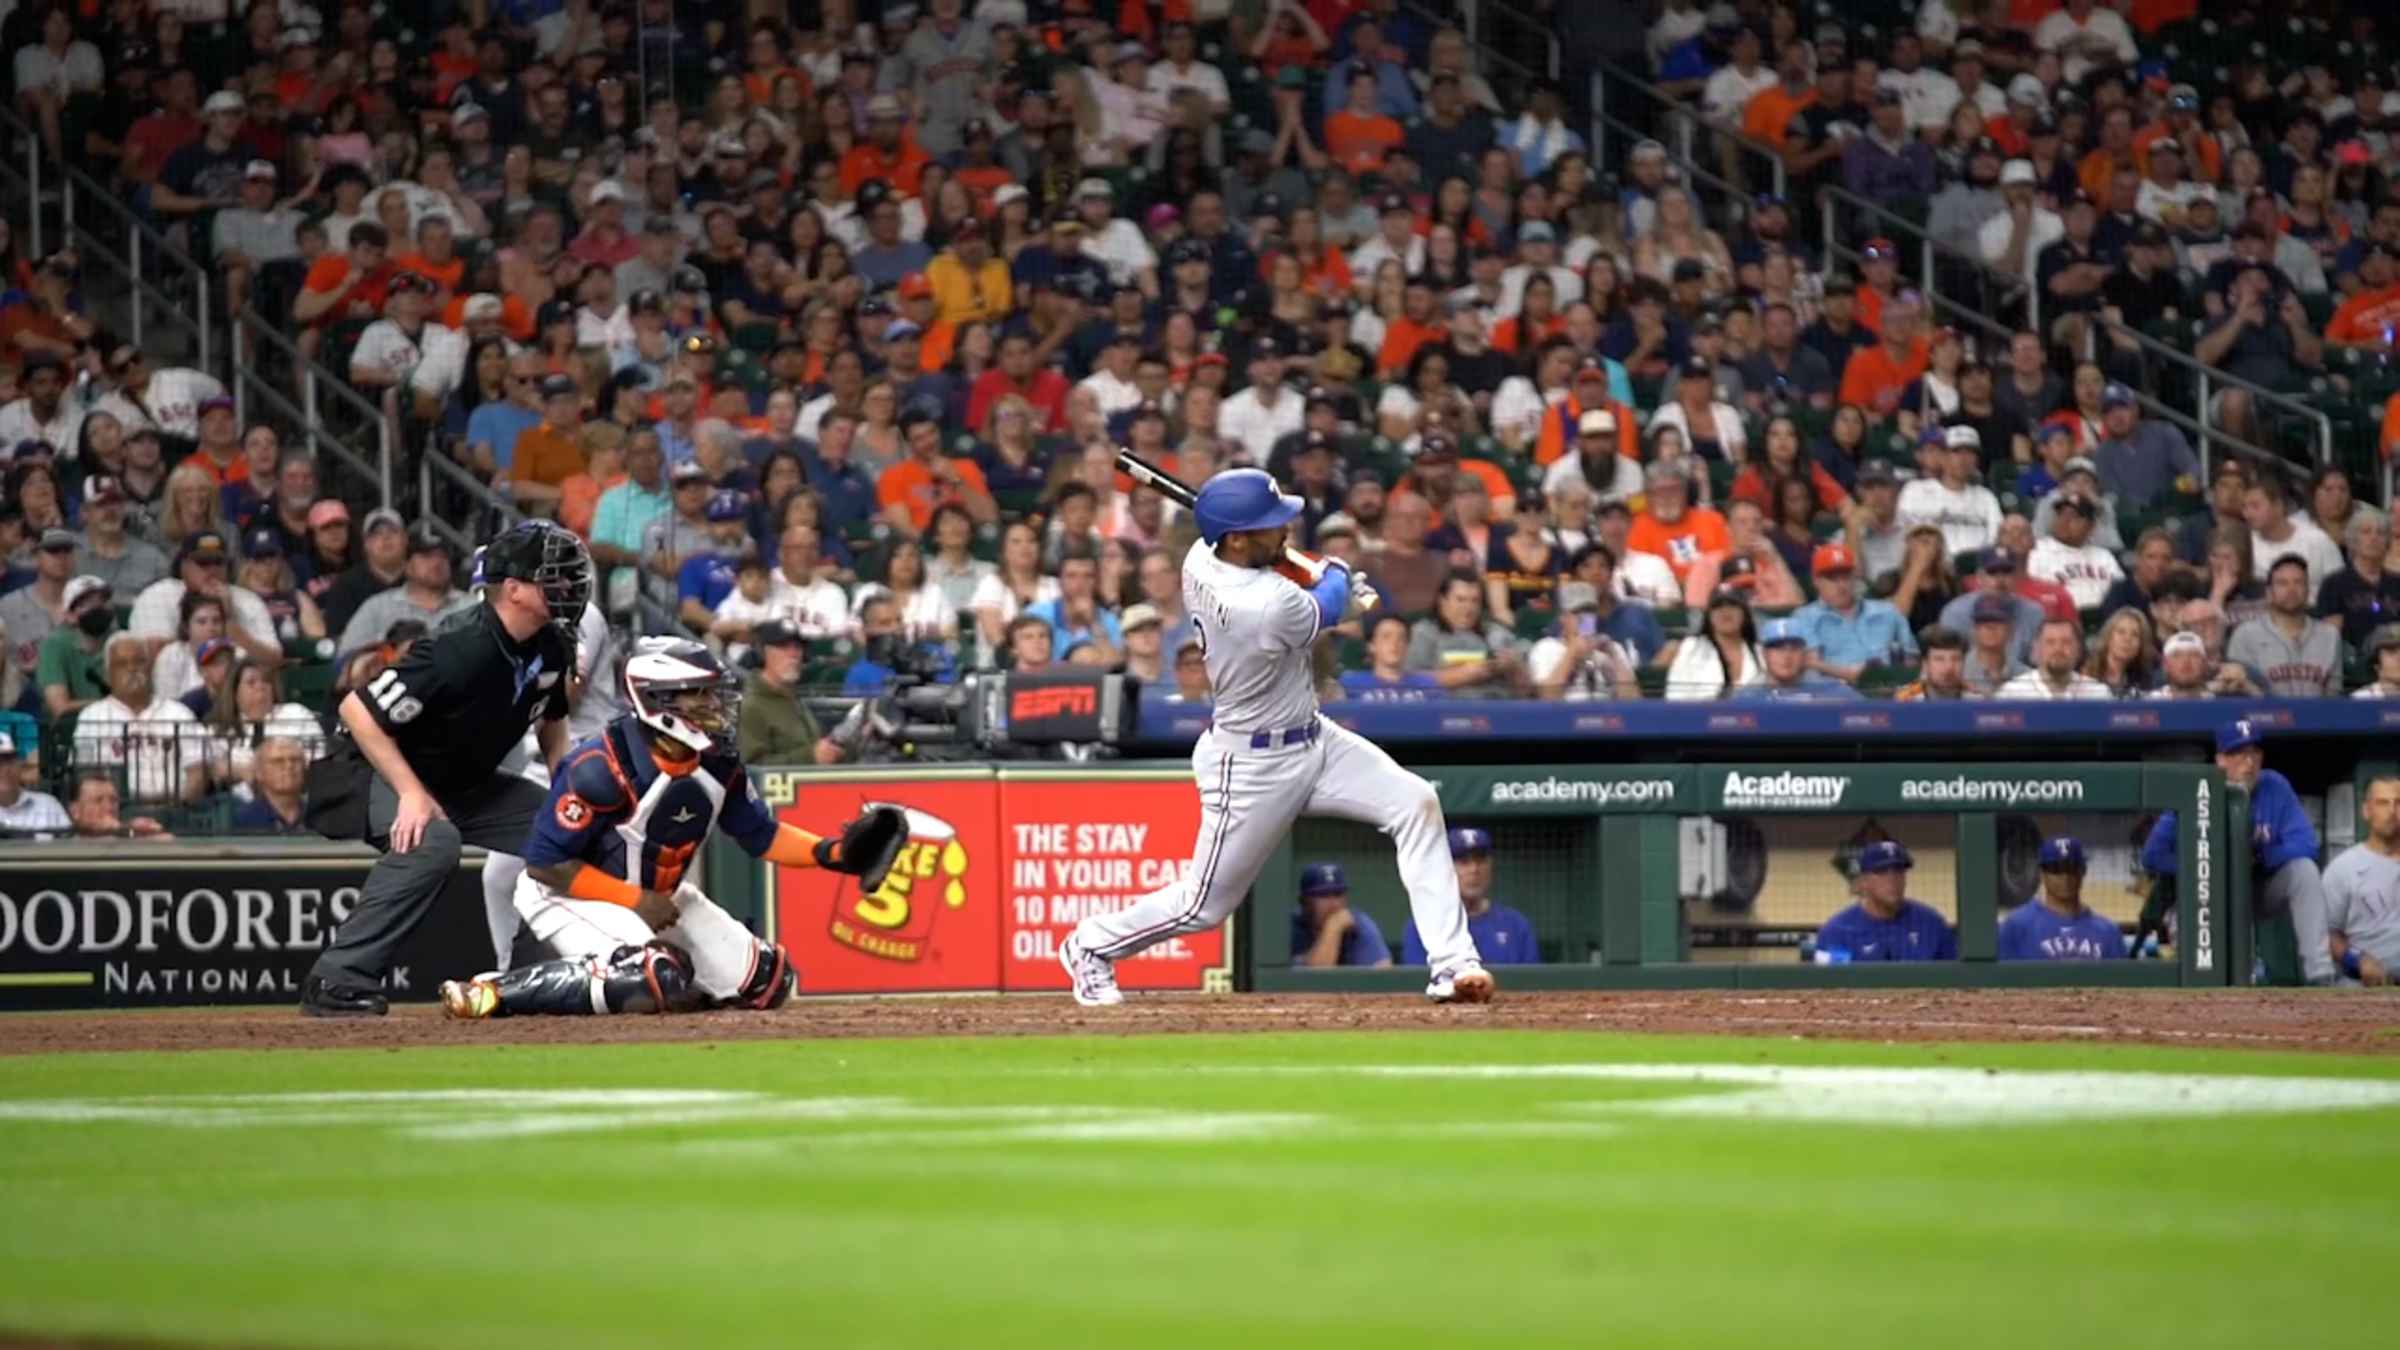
x=604 y=867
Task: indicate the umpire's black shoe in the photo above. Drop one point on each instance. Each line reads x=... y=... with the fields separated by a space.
x=319 y=999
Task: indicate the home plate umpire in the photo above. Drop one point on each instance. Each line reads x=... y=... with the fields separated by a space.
x=415 y=770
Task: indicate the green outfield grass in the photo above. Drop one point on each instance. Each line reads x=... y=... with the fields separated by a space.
x=1319 y=1190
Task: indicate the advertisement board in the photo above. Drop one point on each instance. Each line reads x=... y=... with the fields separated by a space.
x=934 y=924
x=998 y=869
x=178 y=927
x=1079 y=844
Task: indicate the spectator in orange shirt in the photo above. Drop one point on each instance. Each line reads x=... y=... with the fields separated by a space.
x=550 y=452
x=345 y=287
x=1670 y=526
x=2368 y=318
x=1748 y=550
x=1768 y=116
x=1588 y=390
x=1416 y=325
x=1877 y=376
x=2203 y=158
x=436 y=259
x=889 y=152
x=768 y=66
x=2099 y=168
x=1360 y=134
x=1879 y=270
x=924 y=480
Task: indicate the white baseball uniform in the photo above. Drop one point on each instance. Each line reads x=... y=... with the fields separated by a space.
x=1269 y=758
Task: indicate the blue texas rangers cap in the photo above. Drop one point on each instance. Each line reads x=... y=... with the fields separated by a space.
x=1466 y=839
x=1781 y=631
x=2062 y=851
x=1323 y=879
x=727 y=505
x=2238 y=734
x=1884 y=855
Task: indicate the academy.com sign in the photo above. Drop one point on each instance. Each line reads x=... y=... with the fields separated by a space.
x=1961 y=790
x=1784 y=790
x=1554 y=791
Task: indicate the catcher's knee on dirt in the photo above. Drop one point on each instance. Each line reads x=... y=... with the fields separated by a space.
x=653 y=977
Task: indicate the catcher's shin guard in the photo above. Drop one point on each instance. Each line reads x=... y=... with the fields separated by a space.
x=772 y=979
x=651 y=978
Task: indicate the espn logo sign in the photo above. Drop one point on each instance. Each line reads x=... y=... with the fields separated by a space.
x=1057 y=701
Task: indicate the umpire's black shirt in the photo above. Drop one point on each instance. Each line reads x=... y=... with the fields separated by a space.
x=456 y=703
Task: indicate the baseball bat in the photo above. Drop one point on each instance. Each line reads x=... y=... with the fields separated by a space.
x=1151 y=476
x=1167 y=485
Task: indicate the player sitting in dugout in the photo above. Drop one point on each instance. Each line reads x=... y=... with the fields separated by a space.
x=1884 y=924
x=1502 y=934
x=2283 y=848
x=628 y=809
x=2055 y=925
x=1326 y=931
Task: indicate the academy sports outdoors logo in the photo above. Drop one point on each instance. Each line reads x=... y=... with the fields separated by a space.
x=1997 y=791
x=930 y=876
x=1617 y=792
x=1786 y=791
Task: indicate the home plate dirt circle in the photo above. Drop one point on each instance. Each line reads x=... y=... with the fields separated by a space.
x=2344 y=1021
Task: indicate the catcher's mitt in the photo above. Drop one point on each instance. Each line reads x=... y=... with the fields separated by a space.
x=867 y=846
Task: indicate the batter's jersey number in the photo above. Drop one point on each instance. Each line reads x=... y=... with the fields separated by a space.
x=393 y=697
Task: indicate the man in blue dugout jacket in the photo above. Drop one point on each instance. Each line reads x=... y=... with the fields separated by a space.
x=2282 y=842
x=1884 y=924
x=2055 y=925
x=1326 y=931
x=1503 y=936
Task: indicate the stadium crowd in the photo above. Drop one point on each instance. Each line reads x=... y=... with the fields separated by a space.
x=822 y=322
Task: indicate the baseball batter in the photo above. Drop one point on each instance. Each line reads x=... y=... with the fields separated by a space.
x=604 y=869
x=1269 y=757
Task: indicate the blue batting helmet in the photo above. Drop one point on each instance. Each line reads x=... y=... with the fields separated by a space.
x=1323 y=879
x=1241 y=499
x=1466 y=839
x=2063 y=851
x=1884 y=855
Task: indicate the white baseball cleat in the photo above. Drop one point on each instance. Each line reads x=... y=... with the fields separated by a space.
x=1092 y=977
x=1461 y=984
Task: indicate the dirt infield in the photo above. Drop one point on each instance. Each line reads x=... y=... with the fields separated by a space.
x=2351 y=1021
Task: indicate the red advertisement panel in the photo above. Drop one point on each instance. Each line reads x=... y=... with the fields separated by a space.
x=1072 y=846
x=935 y=921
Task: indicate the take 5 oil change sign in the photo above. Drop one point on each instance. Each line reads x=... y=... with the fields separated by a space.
x=934 y=923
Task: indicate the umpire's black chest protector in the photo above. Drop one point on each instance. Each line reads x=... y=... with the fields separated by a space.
x=456 y=703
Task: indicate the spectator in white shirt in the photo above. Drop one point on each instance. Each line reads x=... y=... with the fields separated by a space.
x=1395 y=238
x=1927 y=95
x=1114 y=242
x=2275 y=531
x=389 y=350
x=1537 y=255
x=2067 y=555
x=2013 y=240
x=1179 y=67
x=2165 y=193
x=1735 y=83
x=1111 y=381
x=2057 y=667
x=202 y=564
x=1965 y=511
x=2085 y=36
x=1595 y=466
x=159 y=746
x=1254 y=419
x=812 y=604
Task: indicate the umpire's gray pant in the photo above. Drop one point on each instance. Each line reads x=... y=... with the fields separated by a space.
x=2298 y=887
x=401 y=889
